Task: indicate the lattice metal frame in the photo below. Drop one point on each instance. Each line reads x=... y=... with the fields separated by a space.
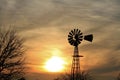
x=74 y=38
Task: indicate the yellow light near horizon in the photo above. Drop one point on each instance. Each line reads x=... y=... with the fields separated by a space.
x=55 y=64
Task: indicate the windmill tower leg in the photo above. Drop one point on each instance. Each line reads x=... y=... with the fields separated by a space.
x=75 y=70
x=75 y=37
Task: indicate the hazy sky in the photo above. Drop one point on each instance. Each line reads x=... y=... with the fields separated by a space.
x=46 y=23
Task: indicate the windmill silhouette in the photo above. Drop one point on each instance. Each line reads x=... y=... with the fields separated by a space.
x=74 y=38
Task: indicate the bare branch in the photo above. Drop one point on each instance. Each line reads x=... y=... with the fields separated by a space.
x=11 y=54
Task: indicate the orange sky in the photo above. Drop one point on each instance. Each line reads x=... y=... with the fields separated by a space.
x=45 y=25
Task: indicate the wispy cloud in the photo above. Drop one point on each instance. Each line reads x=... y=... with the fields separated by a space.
x=47 y=22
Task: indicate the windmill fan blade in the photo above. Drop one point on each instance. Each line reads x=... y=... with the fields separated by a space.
x=77 y=31
x=80 y=33
x=74 y=31
x=69 y=38
x=80 y=36
x=88 y=37
x=72 y=42
x=69 y=35
x=80 y=39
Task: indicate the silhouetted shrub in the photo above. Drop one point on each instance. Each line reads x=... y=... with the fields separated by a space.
x=82 y=76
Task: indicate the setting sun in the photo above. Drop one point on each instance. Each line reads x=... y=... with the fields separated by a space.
x=55 y=64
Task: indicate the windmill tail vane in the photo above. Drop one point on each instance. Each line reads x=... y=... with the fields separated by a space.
x=88 y=37
x=75 y=37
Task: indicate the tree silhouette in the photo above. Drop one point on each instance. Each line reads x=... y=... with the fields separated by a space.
x=118 y=77
x=11 y=54
x=22 y=78
x=83 y=76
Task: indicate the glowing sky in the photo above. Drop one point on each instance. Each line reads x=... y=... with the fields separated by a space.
x=45 y=25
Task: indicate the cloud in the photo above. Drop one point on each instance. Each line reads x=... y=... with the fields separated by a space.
x=51 y=20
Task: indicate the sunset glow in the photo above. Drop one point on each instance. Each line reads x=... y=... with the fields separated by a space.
x=45 y=25
x=55 y=64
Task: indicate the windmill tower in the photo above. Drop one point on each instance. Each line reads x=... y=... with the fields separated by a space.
x=74 y=38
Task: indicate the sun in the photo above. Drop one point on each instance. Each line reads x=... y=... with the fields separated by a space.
x=55 y=64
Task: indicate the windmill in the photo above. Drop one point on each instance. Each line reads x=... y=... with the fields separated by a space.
x=74 y=38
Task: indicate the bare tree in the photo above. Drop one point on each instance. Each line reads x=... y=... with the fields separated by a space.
x=22 y=78
x=84 y=75
x=11 y=55
x=118 y=77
